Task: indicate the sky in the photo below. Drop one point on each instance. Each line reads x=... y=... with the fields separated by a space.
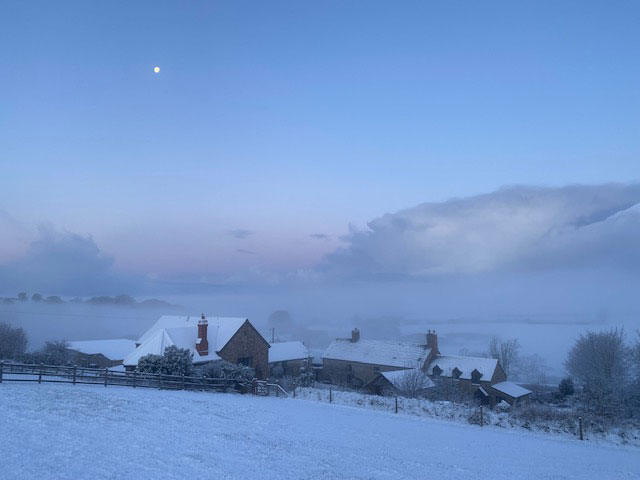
x=394 y=158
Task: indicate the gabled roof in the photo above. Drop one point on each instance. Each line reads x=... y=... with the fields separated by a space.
x=115 y=349
x=397 y=378
x=378 y=352
x=448 y=363
x=219 y=332
x=512 y=389
x=181 y=337
x=282 y=351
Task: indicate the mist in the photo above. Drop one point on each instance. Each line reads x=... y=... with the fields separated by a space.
x=539 y=264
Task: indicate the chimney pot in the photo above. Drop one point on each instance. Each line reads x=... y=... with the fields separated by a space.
x=355 y=335
x=202 y=346
x=432 y=340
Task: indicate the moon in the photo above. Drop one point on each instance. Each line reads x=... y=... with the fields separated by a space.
x=156 y=69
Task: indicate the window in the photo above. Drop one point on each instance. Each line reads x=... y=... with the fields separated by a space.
x=437 y=371
x=456 y=372
x=349 y=367
x=247 y=361
x=475 y=377
x=376 y=369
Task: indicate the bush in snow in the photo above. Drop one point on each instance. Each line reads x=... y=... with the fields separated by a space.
x=13 y=341
x=277 y=371
x=227 y=370
x=307 y=376
x=566 y=387
x=54 y=352
x=174 y=361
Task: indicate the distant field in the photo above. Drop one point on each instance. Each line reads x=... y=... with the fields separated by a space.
x=66 y=432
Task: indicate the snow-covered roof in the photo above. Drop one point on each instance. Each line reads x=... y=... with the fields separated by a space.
x=282 y=351
x=378 y=352
x=448 y=363
x=512 y=389
x=181 y=337
x=219 y=332
x=399 y=379
x=112 y=349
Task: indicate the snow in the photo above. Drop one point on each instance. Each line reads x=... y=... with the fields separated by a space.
x=486 y=366
x=282 y=351
x=220 y=329
x=396 y=378
x=71 y=432
x=512 y=389
x=112 y=349
x=181 y=337
x=378 y=352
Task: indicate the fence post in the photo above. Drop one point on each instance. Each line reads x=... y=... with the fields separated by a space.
x=277 y=392
x=161 y=381
x=134 y=379
x=1 y=369
x=40 y=375
x=106 y=375
x=396 y=404
x=330 y=396
x=74 y=374
x=481 y=417
x=294 y=390
x=581 y=435
x=183 y=381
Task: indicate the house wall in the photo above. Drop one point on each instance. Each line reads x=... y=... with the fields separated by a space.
x=337 y=371
x=291 y=367
x=96 y=360
x=248 y=343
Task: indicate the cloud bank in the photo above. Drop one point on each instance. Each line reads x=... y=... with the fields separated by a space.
x=519 y=228
x=63 y=263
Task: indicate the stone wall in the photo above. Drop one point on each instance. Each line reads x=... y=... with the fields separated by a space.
x=247 y=343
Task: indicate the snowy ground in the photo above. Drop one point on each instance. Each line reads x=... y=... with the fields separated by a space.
x=67 y=432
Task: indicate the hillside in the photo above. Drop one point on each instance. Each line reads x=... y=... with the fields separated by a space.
x=66 y=432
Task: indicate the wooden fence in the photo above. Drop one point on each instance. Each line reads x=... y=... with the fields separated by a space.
x=93 y=376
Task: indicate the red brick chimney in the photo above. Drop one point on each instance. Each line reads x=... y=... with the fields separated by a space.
x=432 y=341
x=202 y=345
x=355 y=335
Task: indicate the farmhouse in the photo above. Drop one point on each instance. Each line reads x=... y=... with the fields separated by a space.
x=235 y=340
x=100 y=353
x=356 y=362
x=377 y=365
x=290 y=356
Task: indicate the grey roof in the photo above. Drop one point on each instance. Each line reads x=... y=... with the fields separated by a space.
x=378 y=352
x=448 y=363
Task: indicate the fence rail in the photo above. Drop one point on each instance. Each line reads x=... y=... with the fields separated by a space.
x=94 y=376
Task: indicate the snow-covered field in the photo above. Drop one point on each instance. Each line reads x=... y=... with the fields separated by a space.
x=66 y=432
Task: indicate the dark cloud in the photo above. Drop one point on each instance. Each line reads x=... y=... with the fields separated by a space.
x=518 y=228
x=320 y=236
x=63 y=263
x=241 y=233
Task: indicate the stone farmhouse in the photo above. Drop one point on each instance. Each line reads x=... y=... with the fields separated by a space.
x=360 y=363
x=235 y=340
x=290 y=356
x=100 y=353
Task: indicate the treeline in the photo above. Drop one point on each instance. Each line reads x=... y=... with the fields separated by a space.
x=118 y=300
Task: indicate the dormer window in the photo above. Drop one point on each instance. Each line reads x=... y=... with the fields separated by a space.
x=437 y=371
x=475 y=377
x=456 y=372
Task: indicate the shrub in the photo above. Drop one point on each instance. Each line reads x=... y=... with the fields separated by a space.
x=227 y=370
x=174 y=361
x=566 y=387
x=13 y=341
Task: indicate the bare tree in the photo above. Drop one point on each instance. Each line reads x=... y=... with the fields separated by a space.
x=599 y=360
x=505 y=351
x=413 y=382
x=13 y=341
